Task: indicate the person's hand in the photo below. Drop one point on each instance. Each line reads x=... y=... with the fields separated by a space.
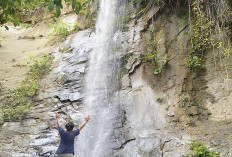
x=87 y=118
x=57 y=116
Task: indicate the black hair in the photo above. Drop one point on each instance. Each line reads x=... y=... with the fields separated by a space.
x=69 y=126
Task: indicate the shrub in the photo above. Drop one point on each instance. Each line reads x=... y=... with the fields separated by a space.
x=60 y=29
x=200 y=150
x=194 y=61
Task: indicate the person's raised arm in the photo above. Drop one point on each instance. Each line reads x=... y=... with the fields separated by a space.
x=58 y=119
x=86 y=121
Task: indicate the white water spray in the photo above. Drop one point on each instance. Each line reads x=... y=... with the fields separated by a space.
x=97 y=139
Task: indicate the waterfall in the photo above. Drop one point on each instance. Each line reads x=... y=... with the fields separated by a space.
x=96 y=140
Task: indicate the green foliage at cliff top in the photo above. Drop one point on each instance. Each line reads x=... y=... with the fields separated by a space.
x=11 y=10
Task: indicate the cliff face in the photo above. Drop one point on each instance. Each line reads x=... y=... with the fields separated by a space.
x=160 y=106
x=149 y=100
x=165 y=111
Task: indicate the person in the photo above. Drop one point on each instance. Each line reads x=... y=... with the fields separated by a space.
x=66 y=146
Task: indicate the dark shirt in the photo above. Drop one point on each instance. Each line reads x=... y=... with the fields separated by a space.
x=67 y=141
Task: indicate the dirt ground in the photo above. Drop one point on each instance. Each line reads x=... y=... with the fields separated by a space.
x=19 y=43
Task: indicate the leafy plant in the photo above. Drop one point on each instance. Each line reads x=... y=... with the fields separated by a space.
x=12 y=10
x=60 y=29
x=200 y=36
x=159 y=98
x=24 y=25
x=183 y=98
x=167 y=108
x=209 y=32
x=62 y=80
x=200 y=150
x=194 y=61
x=76 y=27
x=158 y=63
x=149 y=56
x=89 y=10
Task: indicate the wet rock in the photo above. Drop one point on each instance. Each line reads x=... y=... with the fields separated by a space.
x=132 y=63
x=152 y=12
x=125 y=81
x=77 y=117
x=76 y=76
x=75 y=68
x=82 y=57
x=13 y=127
x=149 y=146
x=135 y=65
x=141 y=130
x=67 y=96
x=48 y=151
x=36 y=134
x=75 y=85
x=43 y=142
x=59 y=105
x=18 y=154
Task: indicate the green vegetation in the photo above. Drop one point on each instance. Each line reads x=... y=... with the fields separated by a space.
x=76 y=27
x=60 y=30
x=144 y=5
x=89 y=11
x=200 y=37
x=210 y=32
x=12 y=10
x=193 y=61
x=200 y=150
x=38 y=68
x=62 y=80
x=159 y=98
x=16 y=103
x=158 y=64
x=25 y=25
x=167 y=108
x=184 y=98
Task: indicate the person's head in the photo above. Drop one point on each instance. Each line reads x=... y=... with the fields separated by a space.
x=69 y=126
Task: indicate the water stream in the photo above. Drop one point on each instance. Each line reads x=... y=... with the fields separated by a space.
x=101 y=82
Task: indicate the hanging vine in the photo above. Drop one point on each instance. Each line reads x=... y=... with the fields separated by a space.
x=210 y=33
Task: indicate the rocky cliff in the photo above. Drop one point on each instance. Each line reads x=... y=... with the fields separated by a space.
x=160 y=109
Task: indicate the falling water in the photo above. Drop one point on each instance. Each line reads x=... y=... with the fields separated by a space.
x=96 y=140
